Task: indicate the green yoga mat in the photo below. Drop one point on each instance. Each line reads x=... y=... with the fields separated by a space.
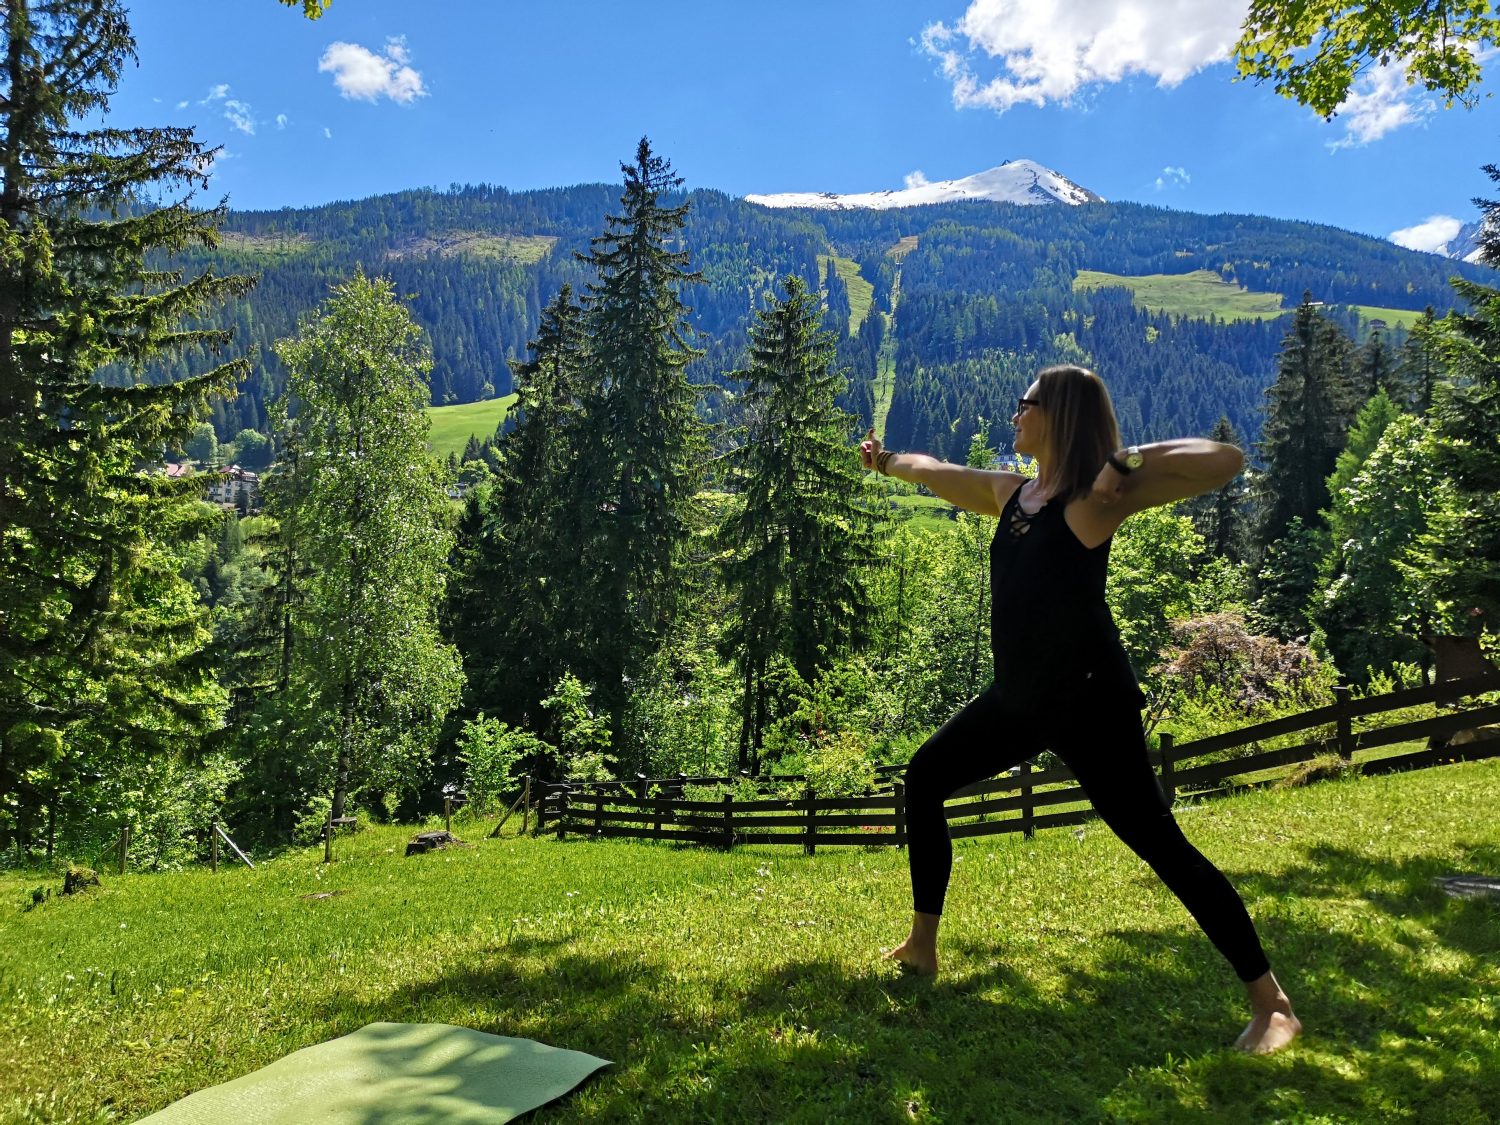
x=393 y=1074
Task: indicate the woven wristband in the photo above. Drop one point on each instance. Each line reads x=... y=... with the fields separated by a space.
x=882 y=459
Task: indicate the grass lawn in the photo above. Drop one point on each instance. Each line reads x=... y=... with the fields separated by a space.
x=452 y=426
x=746 y=987
x=1394 y=318
x=1201 y=294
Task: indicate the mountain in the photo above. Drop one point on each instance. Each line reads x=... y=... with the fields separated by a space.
x=1465 y=244
x=1015 y=181
x=942 y=313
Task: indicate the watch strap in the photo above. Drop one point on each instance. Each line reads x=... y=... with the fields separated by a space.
x=1119 y=466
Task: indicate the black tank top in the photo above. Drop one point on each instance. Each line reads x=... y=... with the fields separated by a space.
x=1050 y=628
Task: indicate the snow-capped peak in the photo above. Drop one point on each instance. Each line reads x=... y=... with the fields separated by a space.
x=1015 y=181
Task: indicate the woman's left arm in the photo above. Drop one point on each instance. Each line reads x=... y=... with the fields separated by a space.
x=1170 y=471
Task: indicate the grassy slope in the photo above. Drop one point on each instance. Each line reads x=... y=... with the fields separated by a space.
x=745 y=987
x=861 y=292
x=1204 y=293
x=452 y=426
x=1201 y=293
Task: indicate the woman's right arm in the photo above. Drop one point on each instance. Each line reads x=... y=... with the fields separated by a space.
x=975 y=490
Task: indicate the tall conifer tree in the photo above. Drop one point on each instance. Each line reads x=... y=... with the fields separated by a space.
x=515 y=605
x=642 y=458
x=99 y=636
x=801 y=540
x=1310 y=408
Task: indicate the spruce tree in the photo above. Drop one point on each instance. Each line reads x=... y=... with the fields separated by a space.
x=1419 y=365
x=1219 y=516
x=798 y=545
x=100 y=637
x=514 y=605
x=642 y=457
x=1310 y=407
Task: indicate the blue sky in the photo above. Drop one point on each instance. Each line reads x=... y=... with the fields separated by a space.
x=1123 y=96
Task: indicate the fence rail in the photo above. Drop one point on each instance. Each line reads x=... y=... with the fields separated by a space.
x=1024 y=800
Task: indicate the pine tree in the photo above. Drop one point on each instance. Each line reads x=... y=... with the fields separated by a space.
x=1219 y=516
x=514 y=605
x=371 y=519
x=100 y=637
x=1419 y=365
x=642 y=459
x=799 y=544
x=1308 y=414
x=1376 y=367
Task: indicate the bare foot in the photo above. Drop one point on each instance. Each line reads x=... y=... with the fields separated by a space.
x=914 y=959
x=1269 y=1032
x=1272 y=1025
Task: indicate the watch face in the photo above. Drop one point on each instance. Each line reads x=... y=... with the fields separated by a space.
x=1134 y=460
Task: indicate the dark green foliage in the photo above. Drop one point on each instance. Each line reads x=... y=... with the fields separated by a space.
x=1420 y=363
x=1308 y=412
x=643 y=447
x=1286 y=581
x=513 y=609
x=1220 y=516
x=800 y=540
x=100 y=638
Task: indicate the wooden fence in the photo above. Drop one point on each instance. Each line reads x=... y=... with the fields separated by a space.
x=1028 y=798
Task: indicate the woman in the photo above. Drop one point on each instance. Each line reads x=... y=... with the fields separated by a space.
x=1062 y=679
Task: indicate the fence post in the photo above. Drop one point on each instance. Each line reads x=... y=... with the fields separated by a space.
x=328 y=837
x=598 y=811
x=1343 y=723
x=728 y=821
x=562 y=812
x=124 y=846
x=1168 y=786
x=525 y=803
x=898 y=800
x=448 y=814
x=213 y=846
x=808 y=846
x=1028 y=810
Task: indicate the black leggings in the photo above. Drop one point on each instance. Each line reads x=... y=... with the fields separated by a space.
x=1100 y=738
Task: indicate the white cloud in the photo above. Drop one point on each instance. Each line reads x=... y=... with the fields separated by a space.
x=916 y=179
x=182 y=105
x=281 y=120
x=360 y=73
x=1173 y=177
x=1051 y=50
x=327 y=132
x=237 y=113
x=1380 y=103
x=1432 y=234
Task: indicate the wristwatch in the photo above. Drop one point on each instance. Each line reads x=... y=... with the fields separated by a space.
x=1134 y=459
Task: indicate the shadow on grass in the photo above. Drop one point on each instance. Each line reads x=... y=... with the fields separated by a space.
x=1397 y=991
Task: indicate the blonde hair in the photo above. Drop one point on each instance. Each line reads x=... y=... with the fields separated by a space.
x=1081 y=423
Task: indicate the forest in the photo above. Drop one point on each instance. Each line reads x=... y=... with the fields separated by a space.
x=669 y=560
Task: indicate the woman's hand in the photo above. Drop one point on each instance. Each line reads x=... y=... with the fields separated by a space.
x=869 y=449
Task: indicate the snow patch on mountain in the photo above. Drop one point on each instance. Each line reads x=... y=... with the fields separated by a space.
x=1015 y=181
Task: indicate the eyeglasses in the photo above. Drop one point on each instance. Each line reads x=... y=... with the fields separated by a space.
x=1023 y=404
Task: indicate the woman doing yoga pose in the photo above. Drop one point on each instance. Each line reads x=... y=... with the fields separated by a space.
x=1062 y=679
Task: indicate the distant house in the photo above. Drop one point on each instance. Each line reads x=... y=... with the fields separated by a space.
x=179 y=470
x=226 y=485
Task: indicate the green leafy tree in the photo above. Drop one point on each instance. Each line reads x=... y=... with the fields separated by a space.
x=1460 y=553
x=370 y=517
x=1369 y=608
x=642 y=458
x=100 y=636
x=799 y=544
x=1313 y=50
x=1285 y=583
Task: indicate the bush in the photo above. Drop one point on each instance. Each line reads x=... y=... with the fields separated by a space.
x=495 y=756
